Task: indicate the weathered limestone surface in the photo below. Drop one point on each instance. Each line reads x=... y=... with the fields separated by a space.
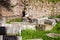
x=19 y=37
x=37 y=9
x=34 y=39
x=57 y=8
x=48 y=27
x=34 y=8
x=12 y=29
x=53 y=35
x=11 y=37
x=17 y=7
x=16 y=27
x=57 y=19
x=1 y=37
x=25 y=25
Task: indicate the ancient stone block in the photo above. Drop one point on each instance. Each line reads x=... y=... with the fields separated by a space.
x=34 y=39
x=48 y=22
x=57 y=19
x=1 y=37
x=13 y=30
x=53 y=35
x=7 y=37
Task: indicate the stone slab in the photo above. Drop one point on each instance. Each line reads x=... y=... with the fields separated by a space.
x=13 y=30
x=5 y=37
x=34 y=39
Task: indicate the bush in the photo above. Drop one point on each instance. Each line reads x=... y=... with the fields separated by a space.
x=54 y=1
x=56 y=29
x=55 y=16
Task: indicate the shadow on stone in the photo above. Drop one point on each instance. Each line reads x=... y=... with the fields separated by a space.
x=2 y=30
x=9 y=37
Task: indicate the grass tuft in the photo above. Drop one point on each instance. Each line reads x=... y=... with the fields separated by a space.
x=15 y=20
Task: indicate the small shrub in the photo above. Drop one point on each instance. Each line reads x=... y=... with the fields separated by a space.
x=54 y=1
x=55 y=16
x=56 y=29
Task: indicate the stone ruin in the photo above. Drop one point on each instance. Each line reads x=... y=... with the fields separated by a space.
x=53 y=35
x=4 y=35
x=30 y=10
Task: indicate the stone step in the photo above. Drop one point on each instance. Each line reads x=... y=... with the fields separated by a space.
x=5 y=37
x=10 y=30
x=34 y=39
x=13 y=30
